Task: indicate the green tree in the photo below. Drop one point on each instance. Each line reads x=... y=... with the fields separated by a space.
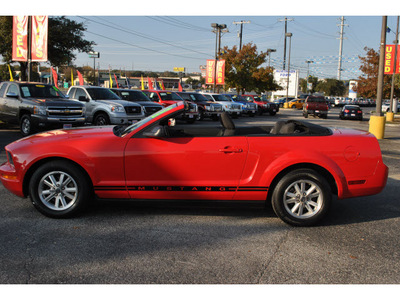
x=65 y=36
x=368 y=83
x=311 y=79
x=331 y=87
x=243 y=69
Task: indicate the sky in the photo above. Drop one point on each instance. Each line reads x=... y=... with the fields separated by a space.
x=159 y=36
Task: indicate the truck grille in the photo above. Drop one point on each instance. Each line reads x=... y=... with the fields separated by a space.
x=133 y=110
x=235 y=106
x=152 y=109
x=216 y=107
x=64 y=111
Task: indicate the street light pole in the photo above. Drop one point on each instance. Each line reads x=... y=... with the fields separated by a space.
x=308 y=62
x=217 y=31
x=269 y=51
x=289 y=35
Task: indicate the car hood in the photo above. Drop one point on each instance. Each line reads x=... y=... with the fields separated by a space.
x=61 y=136
x=148 y=103
x=55 y=101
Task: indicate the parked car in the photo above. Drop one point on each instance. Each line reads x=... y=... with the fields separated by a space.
x=296 y=103
x=263 y=105
x=37 y=106
x=352 y=112
x=282 y=101
x=103 y=107
x=316 y=106
x=138 y=97
x=62 y=171
x=207 y=108
x=386 y=106
x=248 y=107
x=232 y=108
x=166 y=98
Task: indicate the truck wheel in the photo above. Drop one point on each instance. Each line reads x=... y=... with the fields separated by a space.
x=272 y=113
x=59 y=189
x=305 y=115
x=101 y=119
x=301 y=198
x=25 y=125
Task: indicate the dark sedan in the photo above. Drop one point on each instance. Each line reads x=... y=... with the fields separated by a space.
x=351 y=112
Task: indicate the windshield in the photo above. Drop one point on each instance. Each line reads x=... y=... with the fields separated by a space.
x=41 y=91
x=170 y=96
x=193 y=97
x=102 y=94
x=221 y=98
x=239 y=98
x=147 y=120
x=133 y=96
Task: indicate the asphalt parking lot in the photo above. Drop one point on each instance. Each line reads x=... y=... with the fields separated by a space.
x=127 y=243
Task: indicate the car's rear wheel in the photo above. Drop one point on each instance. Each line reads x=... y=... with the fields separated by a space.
x=59 y=189
x=302 y=197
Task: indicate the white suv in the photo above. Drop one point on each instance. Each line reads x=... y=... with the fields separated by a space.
x=231 y=107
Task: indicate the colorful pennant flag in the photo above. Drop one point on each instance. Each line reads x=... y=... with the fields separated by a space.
x=116 y=81
x=72 y=77
x=55 y=77
x=11 y=76
x=142 y=83
x=81 y=81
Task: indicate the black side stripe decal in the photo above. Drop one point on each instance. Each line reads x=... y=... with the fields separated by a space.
x=184 y=188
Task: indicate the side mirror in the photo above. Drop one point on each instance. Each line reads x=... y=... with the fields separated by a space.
x=12 y=95
x=83 y=99
x=155 y=132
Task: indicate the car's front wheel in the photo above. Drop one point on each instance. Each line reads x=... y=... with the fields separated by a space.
x=302 y=197
x=59 y=189
x=25 y=125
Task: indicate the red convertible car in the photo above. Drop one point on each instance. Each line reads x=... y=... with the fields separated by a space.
x=297 y=166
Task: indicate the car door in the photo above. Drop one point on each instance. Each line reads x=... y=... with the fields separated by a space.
x=184 y=167
x=11 y=103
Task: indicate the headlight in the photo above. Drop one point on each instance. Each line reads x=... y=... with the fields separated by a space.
x=117 y=108
x=39 y=110
x=207 y=107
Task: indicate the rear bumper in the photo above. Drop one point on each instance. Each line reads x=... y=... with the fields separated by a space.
x=369 y=185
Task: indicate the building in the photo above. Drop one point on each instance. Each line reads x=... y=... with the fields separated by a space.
x=281 y=78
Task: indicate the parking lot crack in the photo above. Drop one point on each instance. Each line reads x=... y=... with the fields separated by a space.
x=265 y=266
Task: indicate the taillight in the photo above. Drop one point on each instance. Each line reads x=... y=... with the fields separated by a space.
x=360 y=112
x=346 y=111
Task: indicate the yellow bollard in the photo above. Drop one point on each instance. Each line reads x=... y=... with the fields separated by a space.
x=285 y=105
x=377 y=126
x=389 y=117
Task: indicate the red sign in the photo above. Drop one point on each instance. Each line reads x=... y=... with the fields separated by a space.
x=389 y=59
x=39 y=38
x=20 y=38
x=219 y=72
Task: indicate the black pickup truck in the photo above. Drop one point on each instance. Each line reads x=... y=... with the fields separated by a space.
x=37 y=106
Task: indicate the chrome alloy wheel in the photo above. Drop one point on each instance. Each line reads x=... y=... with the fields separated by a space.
x=303 y=199
x=58 y=190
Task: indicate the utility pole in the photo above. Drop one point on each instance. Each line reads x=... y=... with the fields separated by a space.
x=341 y=47
x=396 y=42
x=284 y=44
x=241 y=31
x=217 y=30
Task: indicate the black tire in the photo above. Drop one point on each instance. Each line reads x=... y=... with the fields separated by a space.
x=59 y=189
x=301 y=198
x=272 y=113
x=101 y=119
x=305 y=115
x=25 y=125
x=215 y=118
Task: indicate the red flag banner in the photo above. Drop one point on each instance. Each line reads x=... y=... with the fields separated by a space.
x=221 y=72
x=39 y=38
x=149 y=83
x=389 y=59
x=81 y=82
x=116 y=81
x=20 y=38
x=180 y=87
x=55 y=77
x=210 y=71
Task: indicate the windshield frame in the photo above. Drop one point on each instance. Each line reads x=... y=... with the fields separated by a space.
x=29 y=86
x=92 y=91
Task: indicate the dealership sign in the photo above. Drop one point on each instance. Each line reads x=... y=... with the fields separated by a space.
x=389 y=59
x=38 y=38
x=219 y=72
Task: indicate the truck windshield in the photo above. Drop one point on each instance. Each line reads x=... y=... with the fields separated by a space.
x=170 y=96
x=131 y=95
x=41 y=91
x=102 y=94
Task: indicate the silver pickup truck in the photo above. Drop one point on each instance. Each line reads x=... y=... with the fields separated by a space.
x=103 y=107
x=37 y=106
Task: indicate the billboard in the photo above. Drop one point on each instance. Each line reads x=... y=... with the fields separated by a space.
x=20 y=38
x=389 y=59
